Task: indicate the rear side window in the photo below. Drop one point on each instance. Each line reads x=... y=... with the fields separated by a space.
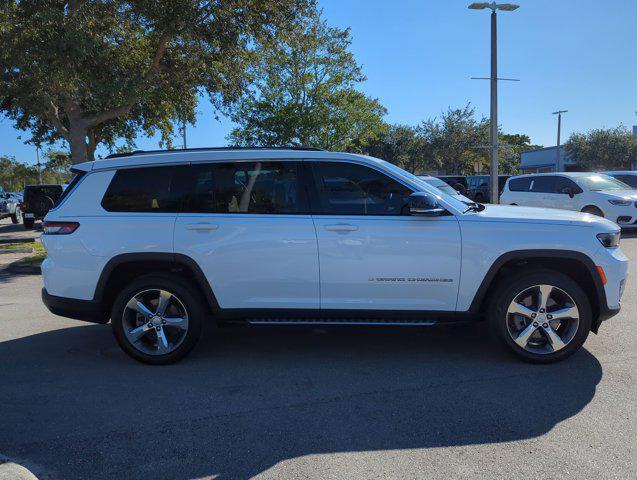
x=147 y=189
x=245 y=187
x=352 y=189
x=543 y=184
x=71 y=186
x=520 y=184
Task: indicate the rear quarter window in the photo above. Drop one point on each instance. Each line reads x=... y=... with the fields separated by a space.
x=519 y=184
x=145 y=189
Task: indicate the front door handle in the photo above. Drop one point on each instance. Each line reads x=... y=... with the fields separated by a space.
x=202 y=226
x=341 y=227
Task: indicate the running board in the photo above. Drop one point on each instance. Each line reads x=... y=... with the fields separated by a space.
x=363 y=321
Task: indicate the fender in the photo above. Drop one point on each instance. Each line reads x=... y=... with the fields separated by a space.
x=177 y=261
x=585 y=260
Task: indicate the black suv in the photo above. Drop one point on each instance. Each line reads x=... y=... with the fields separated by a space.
x=38 y=200
x=479 y=190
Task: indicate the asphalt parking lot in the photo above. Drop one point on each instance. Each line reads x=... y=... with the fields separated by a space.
x=283 y=403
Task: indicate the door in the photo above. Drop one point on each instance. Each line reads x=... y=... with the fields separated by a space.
x=542 y=187
x=564 y=194
x=373 y=255
x=247 y=226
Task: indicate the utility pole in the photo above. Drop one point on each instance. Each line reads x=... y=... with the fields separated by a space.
x=558 y=166
x=183 y=133
x=495 y=189
x=37 y=155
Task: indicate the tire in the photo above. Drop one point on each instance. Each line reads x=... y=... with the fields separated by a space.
x=147 y=348
x=538 y=346
x=460 y=188
x=16 y=217
x=479 y=198
x=28 y=223
x=594 y=210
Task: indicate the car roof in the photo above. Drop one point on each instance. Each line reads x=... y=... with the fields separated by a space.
x=560 y=174
x=172 y=157
x=621 y=172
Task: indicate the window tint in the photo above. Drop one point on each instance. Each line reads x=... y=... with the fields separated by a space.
x=351 y=189
x=562 y=183
x=520 y=184
x=543 y=184
x=245 y=187
x=148 y=189
x=627 y=179
x=76 y=179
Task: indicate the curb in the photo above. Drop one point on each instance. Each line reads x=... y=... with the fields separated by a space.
x=4 y=241
x=15 y=250
x=13 y=471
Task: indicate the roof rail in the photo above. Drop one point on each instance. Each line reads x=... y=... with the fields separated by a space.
x=208 y=149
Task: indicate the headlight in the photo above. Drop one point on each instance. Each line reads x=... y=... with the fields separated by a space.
x=609 y=240
x=623 y=203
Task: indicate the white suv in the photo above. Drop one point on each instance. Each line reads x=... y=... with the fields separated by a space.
x=161 y=242
x=595 y=193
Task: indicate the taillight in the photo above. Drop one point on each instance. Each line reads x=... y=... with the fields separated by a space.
x=59 y=228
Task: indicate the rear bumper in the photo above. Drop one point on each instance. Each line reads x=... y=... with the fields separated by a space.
x=85 y=310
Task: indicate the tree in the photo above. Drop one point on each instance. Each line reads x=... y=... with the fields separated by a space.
x=603 y=149
x=15 y=175
x=305 y=93
x=91 y=71
x=458 y=140
x=403 y=145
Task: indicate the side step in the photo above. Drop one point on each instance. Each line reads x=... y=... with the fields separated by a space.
x=323 y=321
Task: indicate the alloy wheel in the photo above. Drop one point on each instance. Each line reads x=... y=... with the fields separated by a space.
x=542 y=319
x=155 y=321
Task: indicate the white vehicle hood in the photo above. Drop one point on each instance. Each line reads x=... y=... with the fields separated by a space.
x=619 y=194
x=517 y=214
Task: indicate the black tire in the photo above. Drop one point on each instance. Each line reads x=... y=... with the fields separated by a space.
x=479 y=198
x=594 y=210
x=16 y=217
x=510 y=287
x=189 y=296
x=460 y=188
x=28 y=223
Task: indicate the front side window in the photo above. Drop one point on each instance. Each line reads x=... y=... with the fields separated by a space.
x=245 y=187
x=352 y=189
x=566 y=185
x=145 y=189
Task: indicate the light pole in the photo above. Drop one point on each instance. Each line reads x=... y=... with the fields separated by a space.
x=559 y=128
x=494 y=88
x=37 y=155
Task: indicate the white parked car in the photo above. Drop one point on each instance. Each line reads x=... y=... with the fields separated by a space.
x=161 y=242
x=444 y=187
x=594 y=193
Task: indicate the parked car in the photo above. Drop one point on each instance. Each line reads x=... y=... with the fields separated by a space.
x=628 y=177
x=10 y=206
x=161 y=242
x=594 y=193
x=457 y=182
x=444 y=187
x=38 y=200
x=480 y=187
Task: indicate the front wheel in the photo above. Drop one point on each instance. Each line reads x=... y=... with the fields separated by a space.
x=542 y=316
x=17 y=216
x=158 y=319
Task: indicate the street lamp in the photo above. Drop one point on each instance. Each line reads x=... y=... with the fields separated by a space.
x=559 y=127
x=494 y=88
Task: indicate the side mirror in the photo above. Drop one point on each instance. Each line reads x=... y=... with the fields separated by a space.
x=425 y=205
x=568 y=191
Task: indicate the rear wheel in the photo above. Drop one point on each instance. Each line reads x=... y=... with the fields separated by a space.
x=479 y=198
x=542 y=316
x=17 y=216
x=157 y=319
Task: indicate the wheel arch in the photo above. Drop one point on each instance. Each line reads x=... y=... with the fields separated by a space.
x=123 y=268
x=593 y=207
x=575 y=264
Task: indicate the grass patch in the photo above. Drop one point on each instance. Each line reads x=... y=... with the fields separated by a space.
x=19 y=246
x=38 y=250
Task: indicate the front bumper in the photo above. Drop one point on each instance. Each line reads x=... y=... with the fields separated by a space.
x=85 y=310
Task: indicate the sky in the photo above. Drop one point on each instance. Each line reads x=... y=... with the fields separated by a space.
x=418 y=57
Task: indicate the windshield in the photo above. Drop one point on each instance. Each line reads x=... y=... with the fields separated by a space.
x=440 y=185
x=596 y=183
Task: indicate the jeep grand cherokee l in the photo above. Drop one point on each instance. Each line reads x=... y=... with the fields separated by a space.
x=161 y=242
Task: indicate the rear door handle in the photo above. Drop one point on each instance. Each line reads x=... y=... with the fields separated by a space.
x=341 y=227
x=202 y=226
